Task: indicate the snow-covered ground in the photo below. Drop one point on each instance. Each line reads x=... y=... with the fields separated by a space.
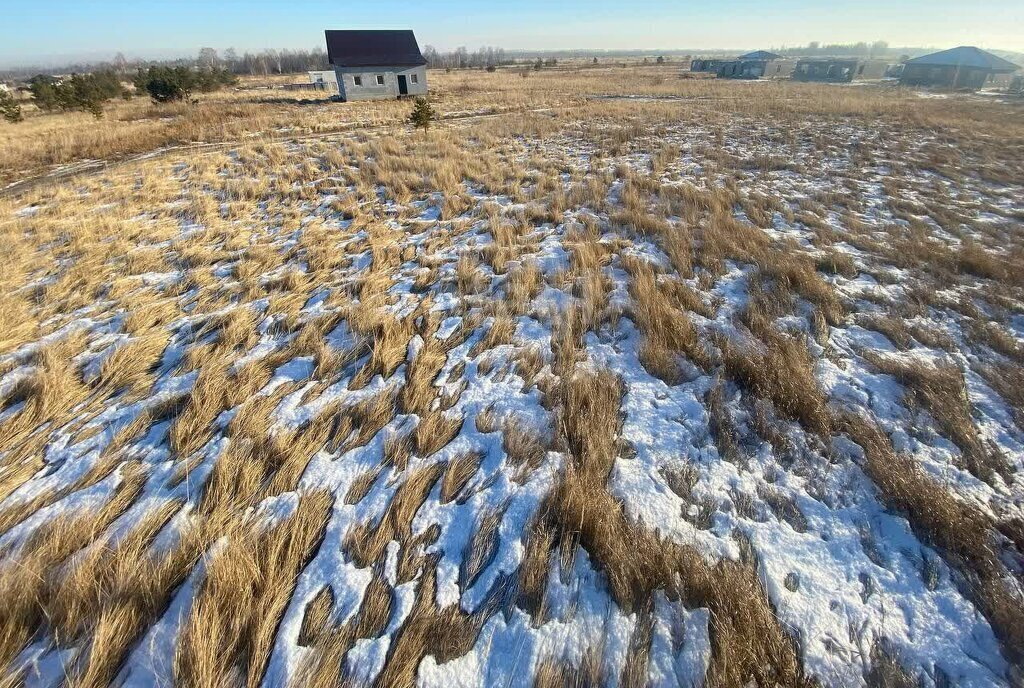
x=366 y=254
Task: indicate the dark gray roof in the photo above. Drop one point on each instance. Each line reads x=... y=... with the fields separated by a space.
x=966 y=56
x=380 y=48
x=760 y=55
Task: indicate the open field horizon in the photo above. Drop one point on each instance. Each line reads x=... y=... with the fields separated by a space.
x=609 y=377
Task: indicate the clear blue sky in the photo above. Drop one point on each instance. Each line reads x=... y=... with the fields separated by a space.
x=55 y=30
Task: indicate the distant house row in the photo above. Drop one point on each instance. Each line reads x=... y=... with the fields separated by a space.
x=963 y=68
x=762 y=64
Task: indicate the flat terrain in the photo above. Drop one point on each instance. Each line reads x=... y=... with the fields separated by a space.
x=640 y=381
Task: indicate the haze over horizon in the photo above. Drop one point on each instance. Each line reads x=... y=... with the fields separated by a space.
x=62 y=31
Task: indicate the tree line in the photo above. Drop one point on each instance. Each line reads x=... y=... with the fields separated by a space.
x=861 y=49
x=86 y=92
x=267 y=62
x=89 y=92
x=257 y=64
x=461 y=58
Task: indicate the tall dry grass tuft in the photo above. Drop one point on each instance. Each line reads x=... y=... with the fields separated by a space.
x=388 y=347
x=457 y=475
x=481 y=547
x=435 y=430
x=522 y=285
x=419 y=391
x=1008 y=381
x=193 y=427
x=747 y=642
x=559 y=673
x=444 y=632
x=667 y=330
x=115 y=591
x=247 y=584
x=962 y=533
x=131 y=365
x=49 y=397
x=942 y=391
x=780 y=370
x=30 y=576
x=366 y=542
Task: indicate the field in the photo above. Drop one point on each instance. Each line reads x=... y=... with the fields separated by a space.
x=608 y=378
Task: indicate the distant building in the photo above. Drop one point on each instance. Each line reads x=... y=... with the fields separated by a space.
x=965 y=68
x=773 y=67
x=705 y=65
x=838 y=70
x=760 y=55
x=371 y=65
x=894 y=70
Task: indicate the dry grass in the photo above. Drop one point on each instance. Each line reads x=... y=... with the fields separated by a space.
x=285 y=303
x=457 y=475
x=941 y=390
x=481 y=548
x=30 y=578
x=667 y=330
x=445 y=633
x=366 y=542
x=962 y=533
x=523 y=284
x=229 y=633
x=1008 y=381
x=435 y=430
x=748 y=643
x=782 y=371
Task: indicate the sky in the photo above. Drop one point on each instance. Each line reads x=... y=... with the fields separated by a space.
x=52 y=31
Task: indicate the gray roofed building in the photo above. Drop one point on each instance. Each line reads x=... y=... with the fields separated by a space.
x=962 y=68
x=376 y=64
x=760 y=55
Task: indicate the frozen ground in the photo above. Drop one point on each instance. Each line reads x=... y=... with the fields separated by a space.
x=293 y=292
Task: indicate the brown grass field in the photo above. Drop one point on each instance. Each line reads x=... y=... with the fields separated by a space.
x=610 y=377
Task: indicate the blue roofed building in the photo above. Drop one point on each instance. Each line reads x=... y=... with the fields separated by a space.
x=963 y=69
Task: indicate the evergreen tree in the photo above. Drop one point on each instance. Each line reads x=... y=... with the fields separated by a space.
x=44 y=91
x=78 y=92
x=422 y=114
x=9 y=108
x=168 y=84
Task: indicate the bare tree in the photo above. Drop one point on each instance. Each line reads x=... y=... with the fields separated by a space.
x=231 y=58
x=208 y=58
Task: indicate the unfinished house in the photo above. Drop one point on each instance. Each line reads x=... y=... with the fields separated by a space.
x=756 y=65
x=838 y=70
x=373 y=65
x=705 y=65
x=962 y=69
